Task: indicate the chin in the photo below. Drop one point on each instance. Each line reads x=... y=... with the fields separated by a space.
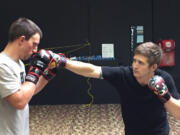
x=136 y=75
x=26 y=58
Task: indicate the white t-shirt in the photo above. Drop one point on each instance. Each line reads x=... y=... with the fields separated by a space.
x=12 y=120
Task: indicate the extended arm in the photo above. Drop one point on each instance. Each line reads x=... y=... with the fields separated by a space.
x=80 y=68
x=84 y=69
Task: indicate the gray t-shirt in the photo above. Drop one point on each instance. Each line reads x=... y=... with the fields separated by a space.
x=12 y=120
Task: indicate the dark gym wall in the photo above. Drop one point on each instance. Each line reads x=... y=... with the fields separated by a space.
x=66 y=24
x=166 y=26
x=110 y=22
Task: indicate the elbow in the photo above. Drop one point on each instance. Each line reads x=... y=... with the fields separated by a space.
x=178 y=117
x=18 y=100
x=17 y=103
x=19 y=106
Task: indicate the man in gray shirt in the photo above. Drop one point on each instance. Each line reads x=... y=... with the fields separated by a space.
x=17 y=89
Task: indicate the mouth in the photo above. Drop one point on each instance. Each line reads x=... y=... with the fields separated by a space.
x=135 y=71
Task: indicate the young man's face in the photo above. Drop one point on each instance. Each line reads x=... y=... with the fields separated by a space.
x=141 y=68
x=30 y=46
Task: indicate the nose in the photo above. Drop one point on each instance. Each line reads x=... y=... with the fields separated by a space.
x=135 y=65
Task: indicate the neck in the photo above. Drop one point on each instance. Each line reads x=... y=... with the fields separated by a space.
x=144 y=80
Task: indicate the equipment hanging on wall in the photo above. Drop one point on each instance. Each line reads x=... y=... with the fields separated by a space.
x=168 y=48
x=137 y=37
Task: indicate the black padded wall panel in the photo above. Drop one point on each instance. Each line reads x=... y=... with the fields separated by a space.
x=70 y=23
x=166 y=26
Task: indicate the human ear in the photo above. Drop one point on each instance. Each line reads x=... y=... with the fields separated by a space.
x=154 y=67
x=21 y=39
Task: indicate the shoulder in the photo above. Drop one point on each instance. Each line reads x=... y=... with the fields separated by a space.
x=163 y=73
x=166 y=76
x=5 y=64
x=9 y=66
x=5 y=59
x=115 y=71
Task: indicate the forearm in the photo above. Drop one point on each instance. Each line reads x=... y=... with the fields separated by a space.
x=22 y=97
x=173 y=107
x=40 y=84
x=84 y=69
x=29 y=89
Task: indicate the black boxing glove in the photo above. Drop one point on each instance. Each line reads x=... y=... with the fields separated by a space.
x=52 y=69
x=158 y=86
x=58 y=60
x=38 y=64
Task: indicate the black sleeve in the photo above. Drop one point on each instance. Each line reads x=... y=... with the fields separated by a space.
x=110 y=73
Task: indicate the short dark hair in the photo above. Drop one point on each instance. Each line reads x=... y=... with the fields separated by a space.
x=23 y=27
x=150 y=50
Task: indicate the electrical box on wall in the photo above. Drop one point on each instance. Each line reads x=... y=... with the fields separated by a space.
x=168 y=48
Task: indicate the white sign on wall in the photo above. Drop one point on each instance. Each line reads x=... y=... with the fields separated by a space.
x=107 y=50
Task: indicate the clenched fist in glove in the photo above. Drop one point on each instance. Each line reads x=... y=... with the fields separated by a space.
x=38 y=64
x=57 y=60
x=157 y=84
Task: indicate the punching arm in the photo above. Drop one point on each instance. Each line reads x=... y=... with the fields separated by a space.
x=80 y=68
x=84 y=69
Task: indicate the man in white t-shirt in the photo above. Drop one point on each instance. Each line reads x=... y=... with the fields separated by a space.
x=17 y=88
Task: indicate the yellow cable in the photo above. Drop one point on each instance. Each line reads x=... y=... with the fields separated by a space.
x=89 y=93
x=90 y=86
x=88 y=80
